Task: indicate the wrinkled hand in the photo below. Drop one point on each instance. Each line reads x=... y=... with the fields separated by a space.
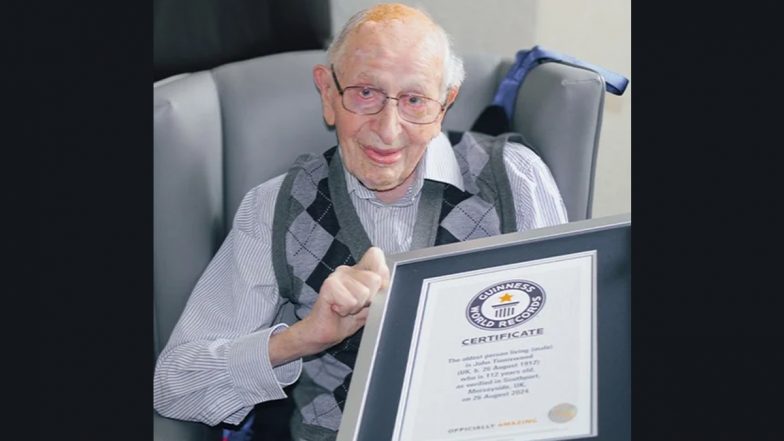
x=343 y=301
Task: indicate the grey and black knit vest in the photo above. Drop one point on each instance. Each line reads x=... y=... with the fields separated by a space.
x=316 y=229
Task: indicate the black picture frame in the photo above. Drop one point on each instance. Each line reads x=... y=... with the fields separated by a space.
x=372 y=403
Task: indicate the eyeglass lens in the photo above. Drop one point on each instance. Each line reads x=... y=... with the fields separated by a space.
x=369 y=101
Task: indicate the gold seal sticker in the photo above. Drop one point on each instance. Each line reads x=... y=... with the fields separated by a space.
x=562 y=413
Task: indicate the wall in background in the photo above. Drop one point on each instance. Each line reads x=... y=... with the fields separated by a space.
x=598 y=32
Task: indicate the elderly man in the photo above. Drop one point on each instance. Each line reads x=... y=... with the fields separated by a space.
x=285 y=297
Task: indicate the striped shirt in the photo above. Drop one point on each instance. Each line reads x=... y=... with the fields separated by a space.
x=215 y=366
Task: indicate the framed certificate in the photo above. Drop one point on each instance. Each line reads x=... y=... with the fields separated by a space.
x=518 y=337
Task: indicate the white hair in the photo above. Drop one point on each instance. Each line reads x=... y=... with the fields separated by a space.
x=454 y=73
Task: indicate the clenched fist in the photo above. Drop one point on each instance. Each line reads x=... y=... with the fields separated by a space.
x=348 y=289
x=339 y=311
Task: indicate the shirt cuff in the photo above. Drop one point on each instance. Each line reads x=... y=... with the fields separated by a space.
x=254 y=378
x=286 y=373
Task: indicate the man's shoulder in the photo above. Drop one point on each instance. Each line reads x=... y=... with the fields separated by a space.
x=268 y=187
x=520 y=153
x=514 y=148
x=259 y=201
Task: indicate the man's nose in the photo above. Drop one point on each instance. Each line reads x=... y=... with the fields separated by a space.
x=388 y=122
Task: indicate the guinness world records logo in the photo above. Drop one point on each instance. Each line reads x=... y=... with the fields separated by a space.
x=505 y=305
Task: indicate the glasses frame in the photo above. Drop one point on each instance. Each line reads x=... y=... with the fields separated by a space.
x=341 y=91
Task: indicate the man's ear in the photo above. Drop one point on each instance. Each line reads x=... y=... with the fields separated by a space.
x=451 y=96
x=322 y=76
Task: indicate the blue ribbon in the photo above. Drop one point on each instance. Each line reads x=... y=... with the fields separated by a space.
x=506 y=95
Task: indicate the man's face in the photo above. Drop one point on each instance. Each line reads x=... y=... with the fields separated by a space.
x=382 y=150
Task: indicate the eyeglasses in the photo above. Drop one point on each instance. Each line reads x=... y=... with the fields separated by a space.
x=366 y=100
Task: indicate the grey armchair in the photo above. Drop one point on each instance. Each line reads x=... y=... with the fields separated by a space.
x=220 y=132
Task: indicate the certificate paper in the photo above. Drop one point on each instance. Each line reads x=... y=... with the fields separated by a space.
x=504 y=354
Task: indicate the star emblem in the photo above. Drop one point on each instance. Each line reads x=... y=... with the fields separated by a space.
x=506 y=297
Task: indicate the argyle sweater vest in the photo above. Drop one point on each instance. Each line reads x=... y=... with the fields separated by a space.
x=316 y=229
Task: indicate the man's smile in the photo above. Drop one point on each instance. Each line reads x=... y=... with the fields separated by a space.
x=382 y=156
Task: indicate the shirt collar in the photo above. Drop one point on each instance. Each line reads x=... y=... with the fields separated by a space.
x=441 y=163
x=438 y=164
